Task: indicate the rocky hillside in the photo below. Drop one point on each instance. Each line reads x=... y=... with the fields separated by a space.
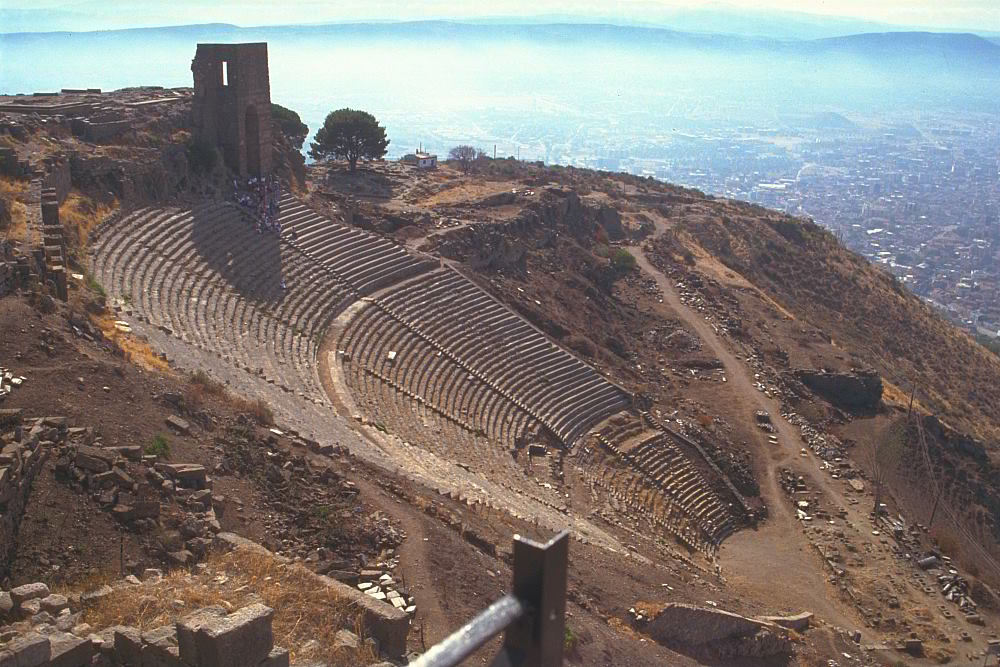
x=862 y=309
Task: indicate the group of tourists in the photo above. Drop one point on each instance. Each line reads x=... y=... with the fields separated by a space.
x=259 y=196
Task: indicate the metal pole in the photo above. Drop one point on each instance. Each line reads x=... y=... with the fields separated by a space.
x=462 y=643
x=534 y=614
x=937 y=497
x=537 y=639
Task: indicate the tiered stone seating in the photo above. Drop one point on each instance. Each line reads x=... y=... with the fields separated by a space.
x=662 y=462
x=467 y=374
x=633 y=499
x=427 y=376
x=366 y=261
x=655 y=478
x=488 y=344
x=205 y=275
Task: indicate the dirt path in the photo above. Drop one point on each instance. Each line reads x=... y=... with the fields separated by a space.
x=775 y=564
x=414 y=562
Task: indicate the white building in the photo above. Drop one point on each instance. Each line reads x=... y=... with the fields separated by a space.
x=427 y=161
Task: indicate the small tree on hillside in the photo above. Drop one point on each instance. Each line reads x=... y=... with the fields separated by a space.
x=884 y=457
x=349 y=134
x=466 y=156
x=290 y=124
x=622 y=261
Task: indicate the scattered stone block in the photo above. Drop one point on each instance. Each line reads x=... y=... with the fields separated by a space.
x=93 y=459
x=121 y=478
x=42 y=618
x=27 y=592
x=797 y=622
x=160 y=648
x=6 y=604
x=96 y=594
x=29 y=608
x=191 y=474
x=70 y=651
x=187 y=628
x=345 y=639
x=240 y=639
x=278 y=657
x=128 y=645
x=54 y=603
x=10 y=417
x=203 y=498
x=182 y=557
x=130 y=452
x=66 y=621
x=31 y=650
x=178 y=424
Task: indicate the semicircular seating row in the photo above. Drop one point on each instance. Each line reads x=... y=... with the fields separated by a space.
x=264 y=304
x=204 y=275
x=445 y=340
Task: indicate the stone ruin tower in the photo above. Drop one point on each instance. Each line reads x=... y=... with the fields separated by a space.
x=232 y=104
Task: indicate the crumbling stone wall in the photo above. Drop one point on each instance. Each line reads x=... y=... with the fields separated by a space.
x=384 y=622
x=717 y=633
x=58 y=177
x=861 y=390
x=25 y=446
x=47 y=633
x=231 y=108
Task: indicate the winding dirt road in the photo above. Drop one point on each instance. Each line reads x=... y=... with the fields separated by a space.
x=774 y=563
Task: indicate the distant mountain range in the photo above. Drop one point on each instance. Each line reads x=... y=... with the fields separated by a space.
x=934 y=49
x=86 y=15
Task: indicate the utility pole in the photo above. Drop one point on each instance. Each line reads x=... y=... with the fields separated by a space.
x=937 y=497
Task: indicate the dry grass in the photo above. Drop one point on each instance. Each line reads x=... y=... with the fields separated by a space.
x=136 y=351
x=303 y=610
x=255 y=407
x=894 y=396
x=200 y=385
x=12 y=191
x=79 y=215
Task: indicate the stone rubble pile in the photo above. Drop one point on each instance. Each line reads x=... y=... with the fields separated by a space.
x=317 y=509
x=24 y=447
x=955 y=588
x=381 y=585
x=135 y=487
x=9 y=382
x=43 y=630
x=825 y=445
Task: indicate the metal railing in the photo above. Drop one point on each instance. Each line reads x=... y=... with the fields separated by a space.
x=532 y=615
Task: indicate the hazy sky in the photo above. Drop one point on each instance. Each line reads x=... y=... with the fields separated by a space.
x=977 y=15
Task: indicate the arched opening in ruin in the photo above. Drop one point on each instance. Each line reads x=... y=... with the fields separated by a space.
x=253 y=147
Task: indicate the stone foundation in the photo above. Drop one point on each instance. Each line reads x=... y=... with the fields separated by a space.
x=25 y=446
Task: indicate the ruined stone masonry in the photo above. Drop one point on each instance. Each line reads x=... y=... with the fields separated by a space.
x=23 y=449
x=50 y=635
x=54 y=243
x=232 y=104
